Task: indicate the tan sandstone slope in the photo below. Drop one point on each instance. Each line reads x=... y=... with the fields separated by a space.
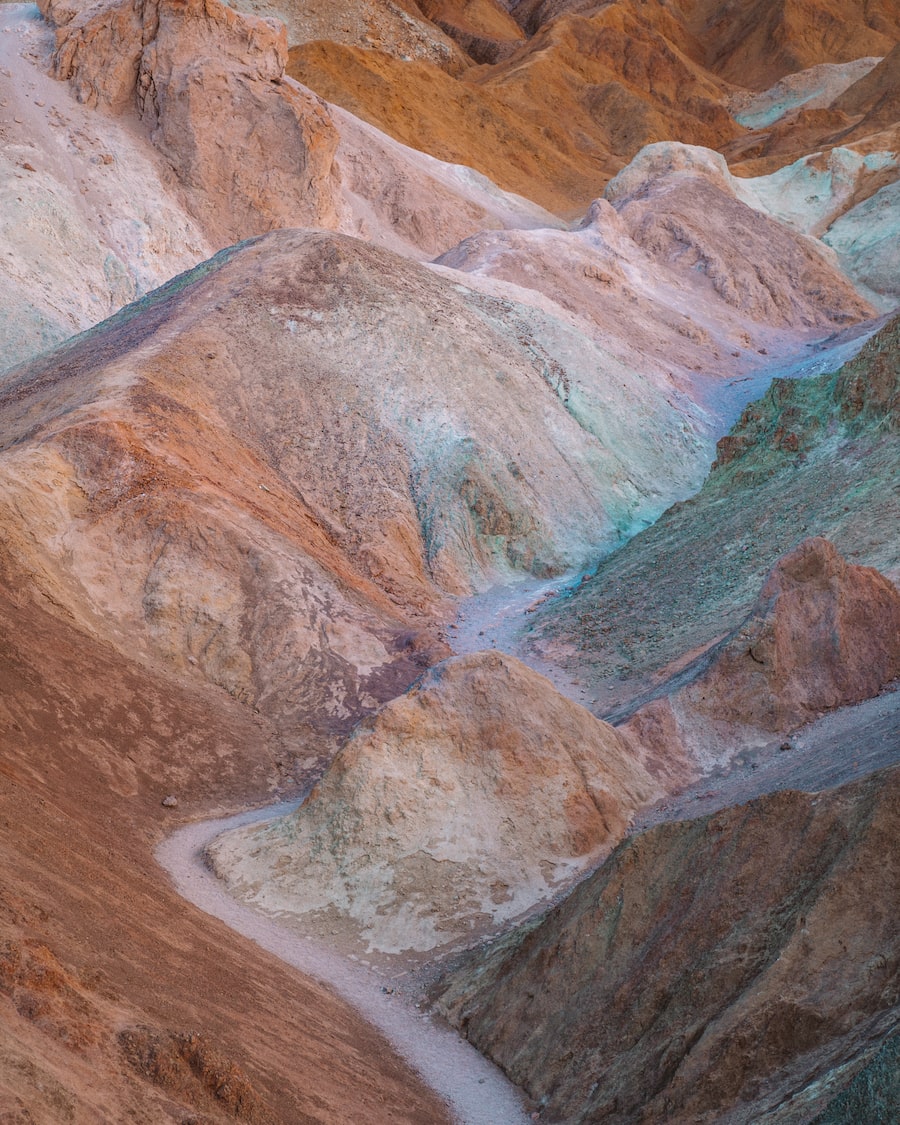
x=445 y=812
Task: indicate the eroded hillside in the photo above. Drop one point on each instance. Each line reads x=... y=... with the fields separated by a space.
x=319 y=322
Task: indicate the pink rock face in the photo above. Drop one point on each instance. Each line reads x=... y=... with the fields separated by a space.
x=823 y=634
x=253 y=152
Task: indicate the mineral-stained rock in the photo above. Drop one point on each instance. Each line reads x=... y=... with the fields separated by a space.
x=483 y=28
x=207 y=81
x=817 y=456
x=727 y=968
x=679 y=202
x=271 y=472
x=553 y=120
x=460 y=803
x=823 y=634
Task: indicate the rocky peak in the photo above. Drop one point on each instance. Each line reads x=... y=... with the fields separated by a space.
x=207 y=81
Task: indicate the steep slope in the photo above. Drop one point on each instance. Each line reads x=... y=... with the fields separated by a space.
x=119 y=1001
x=397 y=27
x=199 y=73
x=767 y=39
x=740 y=966
x=444 y=813
x=666 y=273
x=89 y=220
x=273 y=470
x=821 y=635
x=615 y=81
x=95 y=214
x=813 y=457
x=483 y=28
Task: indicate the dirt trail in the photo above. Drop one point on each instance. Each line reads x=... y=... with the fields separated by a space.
x=838 y=747
x=473 y=1088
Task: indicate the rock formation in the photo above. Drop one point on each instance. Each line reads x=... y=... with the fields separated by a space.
x=813 y=457
x=119 y=1000
x=615 y=79
x=248 y=474
x=738 y=966
x=207 y=80
x=444 y=813
x=821 y=635
x=239 y=511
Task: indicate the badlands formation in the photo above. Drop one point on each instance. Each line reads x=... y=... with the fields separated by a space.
x=478 y=423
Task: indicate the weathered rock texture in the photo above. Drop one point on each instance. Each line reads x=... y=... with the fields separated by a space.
x=458 y=805
x=273 y=470
x=207 y=82
x=396 y=27
x=94 y=215
x=817 y=456
x=738 y=967
x=674 y=222
x=614 y=80
x=483 y=28
x=822 y=635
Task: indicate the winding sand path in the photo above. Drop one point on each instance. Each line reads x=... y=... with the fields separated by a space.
x=475 y=1091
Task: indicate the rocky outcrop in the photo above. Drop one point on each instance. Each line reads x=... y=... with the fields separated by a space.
x=457 y=806
x=207 y=81
x=628 y=266
x=680 y=203
x=611 y=75
x=483 y=28
x=822 y=635
x=251 y=474
x=731 y=966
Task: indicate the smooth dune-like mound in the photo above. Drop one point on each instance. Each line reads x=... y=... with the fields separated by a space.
x=459 y=804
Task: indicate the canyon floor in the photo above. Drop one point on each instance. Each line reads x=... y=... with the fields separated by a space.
x=449 y=562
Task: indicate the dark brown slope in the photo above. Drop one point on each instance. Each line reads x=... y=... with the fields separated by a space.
x=118 y=1001
x=738 y=967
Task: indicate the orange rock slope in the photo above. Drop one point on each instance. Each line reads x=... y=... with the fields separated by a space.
x=555 y=117
x=553 y=121
x=118 y=1000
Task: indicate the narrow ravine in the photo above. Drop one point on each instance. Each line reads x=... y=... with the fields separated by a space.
x=475 y=1091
